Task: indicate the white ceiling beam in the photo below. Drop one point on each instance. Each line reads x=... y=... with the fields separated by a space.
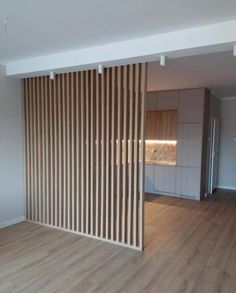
x=204 y=39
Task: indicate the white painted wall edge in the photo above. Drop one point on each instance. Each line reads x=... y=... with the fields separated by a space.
x=12 y=222
x=226 y=187
x=197 y=40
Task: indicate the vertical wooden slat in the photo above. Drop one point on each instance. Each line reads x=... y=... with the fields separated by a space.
x=55 y=102
x=72 y=111
x=97 y=152
x=59 y=141
x=102 y=155
x=136 y=148
x=68 y=152
x=50 y=126
x=118 y=216
x=78 y=149
x=108 y=212
x=87 y=151
x=92 y=152
x=30 y=148
x=64 y=148
x=142 y=165
x=113 y=159
x=131 y=115
x=35 y=101
x=84 y=144
x=27 y=147
x=39 y=189
x=124 y=159
x=43 y=151
x=46 y=88
x=82 y=210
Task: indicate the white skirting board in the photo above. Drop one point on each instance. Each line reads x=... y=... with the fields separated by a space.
x=12 y=222
x=226 y=187
x=173 y=195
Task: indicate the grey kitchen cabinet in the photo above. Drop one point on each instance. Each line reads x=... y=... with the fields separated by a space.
x=151 y=101
x=168 y=100
x=188 y=181
x=165 y=177
x=191 y=106
x=189 y=146
x=149 y=177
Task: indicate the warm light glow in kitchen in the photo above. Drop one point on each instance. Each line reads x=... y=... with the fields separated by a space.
x=161 y=141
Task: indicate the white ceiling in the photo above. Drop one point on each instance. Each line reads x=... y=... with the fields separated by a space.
x=49 y=26
x=216 y=71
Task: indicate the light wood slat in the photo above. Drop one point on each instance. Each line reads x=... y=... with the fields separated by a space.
x=60 y=153
x=73 y=152
x=113 y=158
x=136 y=155
x=68 y=152
x=142 y=152
x=35 y=150
x=84 y=144
x=82 y=208
x=97 y=152
x=32 y=150
x=78 y=149
x=92 y=189
x=124 y=159
x=118 y=216
x=51 y=189
x=55 y=159
x=64 y=148
x=47 y=146
x=39 y=189
x=27 y=147
x=87 y=150
x=131 y=113
x=102 y=155
x=108 y=212
x=45 y=141
x=24 y=91
x=43 y=151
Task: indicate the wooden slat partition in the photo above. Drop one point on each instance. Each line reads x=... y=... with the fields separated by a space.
x=84 y=144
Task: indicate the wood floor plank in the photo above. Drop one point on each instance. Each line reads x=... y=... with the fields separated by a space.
x=190 y=246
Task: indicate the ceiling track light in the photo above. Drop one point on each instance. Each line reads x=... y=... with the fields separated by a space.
x=52 y=75
x=162 y=60
x=100 y=69
x=3 y=26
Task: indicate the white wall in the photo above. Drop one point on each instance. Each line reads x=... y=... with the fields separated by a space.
x=11 y=151
x=227 y=167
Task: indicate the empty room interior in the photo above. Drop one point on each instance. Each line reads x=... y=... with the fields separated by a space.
x=118 y=146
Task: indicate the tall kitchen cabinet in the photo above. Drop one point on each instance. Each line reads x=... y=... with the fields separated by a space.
x=186 y=178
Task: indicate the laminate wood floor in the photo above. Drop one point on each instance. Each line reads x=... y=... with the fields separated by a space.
x=189 y=247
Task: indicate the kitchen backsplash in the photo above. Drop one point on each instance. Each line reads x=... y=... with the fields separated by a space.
x=160 y=152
